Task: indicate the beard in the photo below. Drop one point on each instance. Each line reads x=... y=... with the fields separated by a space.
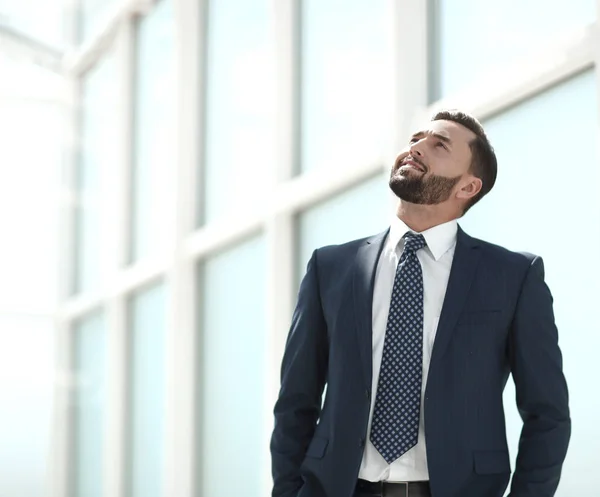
x=422 y=190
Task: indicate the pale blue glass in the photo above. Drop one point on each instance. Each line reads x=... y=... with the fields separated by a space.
x=473 y=37
x=27 y=383
x=546 y=202
x=154 y=167
x=43 y=21
x=240 y=107
x=346 y=82
x=32 y=122
x=95 y=173
x=90 y=368
x=28 y=209
x=148 y=330
x=232 y=371
x=361 y=211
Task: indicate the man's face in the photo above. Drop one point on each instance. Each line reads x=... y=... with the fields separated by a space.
x=430 y=169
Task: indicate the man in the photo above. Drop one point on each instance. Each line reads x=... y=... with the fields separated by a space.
x=415 y=332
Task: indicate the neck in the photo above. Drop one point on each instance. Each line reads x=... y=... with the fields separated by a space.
x=423 y=217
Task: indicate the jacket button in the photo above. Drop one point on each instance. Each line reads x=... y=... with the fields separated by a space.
x=361 y=443
x=367 y=394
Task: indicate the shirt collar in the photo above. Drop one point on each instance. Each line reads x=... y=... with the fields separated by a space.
x=439 y=239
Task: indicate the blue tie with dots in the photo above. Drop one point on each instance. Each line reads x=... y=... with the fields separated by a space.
x=395 y=426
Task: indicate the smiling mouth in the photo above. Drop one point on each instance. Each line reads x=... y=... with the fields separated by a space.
x=412 y=164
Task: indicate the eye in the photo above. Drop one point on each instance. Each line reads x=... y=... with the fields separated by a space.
x=442 y=144
x=413 y=140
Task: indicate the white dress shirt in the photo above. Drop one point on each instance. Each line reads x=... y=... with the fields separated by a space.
x=436 y=260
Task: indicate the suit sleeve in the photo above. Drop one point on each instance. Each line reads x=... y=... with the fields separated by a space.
x=303 y=376
x=541 y=390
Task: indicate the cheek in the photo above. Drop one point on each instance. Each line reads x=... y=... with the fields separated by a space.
x=400 y=158
x=462 y=163
x=449 y=168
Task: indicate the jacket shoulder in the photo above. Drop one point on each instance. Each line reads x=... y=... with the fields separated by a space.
x=341 y=249
x=503 y=255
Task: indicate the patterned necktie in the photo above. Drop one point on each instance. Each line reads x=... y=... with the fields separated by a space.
x=395 y=426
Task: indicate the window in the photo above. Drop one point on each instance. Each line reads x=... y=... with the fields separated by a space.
x=232 y=365
x=346 y=82
x=39 y=19
x=27 y=380
x=154 y=160
x=546 y=202
x=90 y=405
x=95 y=177
x=472 y=38
x=364 y=210
x=241 y=97
x=148 y=330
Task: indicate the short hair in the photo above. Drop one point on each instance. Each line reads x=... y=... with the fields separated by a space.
x=484 y=164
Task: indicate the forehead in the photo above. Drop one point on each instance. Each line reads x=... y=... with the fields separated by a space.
x=458 y=134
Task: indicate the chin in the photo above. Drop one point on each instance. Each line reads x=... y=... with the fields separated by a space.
x=401 y=175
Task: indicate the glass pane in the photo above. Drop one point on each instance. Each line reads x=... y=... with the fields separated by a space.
x=95 y=176
x=232 y=382
x=29 y=228
x=94 y=15
x=27 y=372
x=31 y=131
x=148 y=328
x=240 y=142
x=546 y=202
x=90 y=405
x=21 y=79
x=364 y=210
x=468 y=42
x=41 y=20
x=155 y=99
x=346 y=82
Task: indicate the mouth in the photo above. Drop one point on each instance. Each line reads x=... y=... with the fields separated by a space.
x=413 y=164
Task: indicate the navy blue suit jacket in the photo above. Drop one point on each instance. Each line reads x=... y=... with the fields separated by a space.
x=496 y=319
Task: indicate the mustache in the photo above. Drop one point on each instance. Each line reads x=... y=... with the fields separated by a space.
x=412 y=159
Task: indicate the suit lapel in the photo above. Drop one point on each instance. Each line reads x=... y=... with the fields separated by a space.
x=363 y=284
x=462 y=272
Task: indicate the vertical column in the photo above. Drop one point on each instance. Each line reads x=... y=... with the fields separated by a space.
x=125 y=49
x=288 y=36
x=61 y=443
x=182 y=335
x=118 y=393
x=411 y=42
x=71 y=21
x=61 y=436
x=280 y=301
x=280 y=225
x=117 y=440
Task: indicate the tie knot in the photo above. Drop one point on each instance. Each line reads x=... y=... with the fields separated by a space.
x=414 y=241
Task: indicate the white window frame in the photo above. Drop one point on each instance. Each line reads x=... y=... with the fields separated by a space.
x=290 y=196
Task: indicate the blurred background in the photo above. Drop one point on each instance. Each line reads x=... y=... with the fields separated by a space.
x=167 y=168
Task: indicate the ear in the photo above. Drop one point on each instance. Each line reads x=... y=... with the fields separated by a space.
x=469 y=189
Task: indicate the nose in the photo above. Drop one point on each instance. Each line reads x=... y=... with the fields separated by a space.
x=416 y=147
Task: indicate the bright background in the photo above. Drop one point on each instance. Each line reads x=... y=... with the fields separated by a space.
x=168 y=166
